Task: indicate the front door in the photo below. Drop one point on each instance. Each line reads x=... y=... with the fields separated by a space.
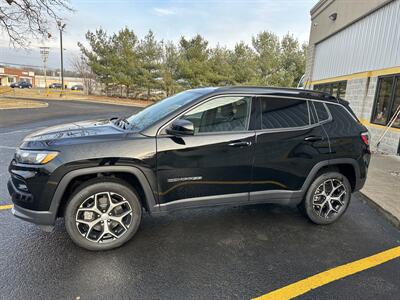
x=290 y=141
x=199 y=169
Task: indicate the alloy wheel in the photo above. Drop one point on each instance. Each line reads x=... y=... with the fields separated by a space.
x=104 y=217
x=329 y=198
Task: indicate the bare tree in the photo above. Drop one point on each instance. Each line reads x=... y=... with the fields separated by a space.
x=24 y=19
x=84 y=71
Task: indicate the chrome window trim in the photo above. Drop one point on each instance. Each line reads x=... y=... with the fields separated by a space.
x=298 y=128
x=309 y=113
x=262 y=130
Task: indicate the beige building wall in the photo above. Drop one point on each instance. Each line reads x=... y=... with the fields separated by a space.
x=69 y=81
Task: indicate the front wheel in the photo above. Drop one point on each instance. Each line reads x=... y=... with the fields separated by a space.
x=103 y=215
x=327 y=198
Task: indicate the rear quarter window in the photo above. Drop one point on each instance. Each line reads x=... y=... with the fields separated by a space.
x=343 y=123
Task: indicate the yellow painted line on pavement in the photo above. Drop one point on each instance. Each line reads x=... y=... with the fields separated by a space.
x=4 y=207
x=303 y=286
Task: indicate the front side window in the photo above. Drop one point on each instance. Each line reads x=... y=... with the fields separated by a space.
x=384 y=101
x=227 y=113
x=284 y=113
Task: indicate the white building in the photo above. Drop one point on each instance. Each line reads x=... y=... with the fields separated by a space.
x=354 y=53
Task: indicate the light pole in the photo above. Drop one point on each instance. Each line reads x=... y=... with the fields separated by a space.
x=61 y=27
x=44 y=51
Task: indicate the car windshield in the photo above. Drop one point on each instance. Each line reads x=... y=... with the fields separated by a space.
x=159 y=110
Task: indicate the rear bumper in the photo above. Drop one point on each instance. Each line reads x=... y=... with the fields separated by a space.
x=46 y=218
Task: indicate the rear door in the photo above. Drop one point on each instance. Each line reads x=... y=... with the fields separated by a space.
x=200 y=169
x=290 y=141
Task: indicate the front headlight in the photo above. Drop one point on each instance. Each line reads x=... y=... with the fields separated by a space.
x=32 y=157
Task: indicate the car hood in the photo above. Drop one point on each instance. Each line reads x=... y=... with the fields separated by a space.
x=67 y=133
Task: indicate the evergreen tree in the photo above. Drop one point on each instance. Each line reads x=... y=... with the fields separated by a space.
x=150 y=54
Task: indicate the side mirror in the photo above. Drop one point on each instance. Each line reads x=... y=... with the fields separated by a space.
x=181 y=127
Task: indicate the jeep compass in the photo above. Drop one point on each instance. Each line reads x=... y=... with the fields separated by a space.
x=202 y=147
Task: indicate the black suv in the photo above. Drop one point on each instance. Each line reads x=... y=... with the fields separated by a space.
x=21 y=85
x=201 y=147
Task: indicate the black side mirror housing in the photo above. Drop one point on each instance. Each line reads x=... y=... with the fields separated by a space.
x=180 y=127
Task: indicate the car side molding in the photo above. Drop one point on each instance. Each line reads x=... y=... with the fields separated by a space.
x=282 y=197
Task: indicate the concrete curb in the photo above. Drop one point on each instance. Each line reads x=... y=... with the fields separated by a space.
x=78 y=99
x=28 y=106
x=386 y=214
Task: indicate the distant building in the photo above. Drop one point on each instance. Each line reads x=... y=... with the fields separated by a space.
x=10 y=75
x=354 y=53
x=68 y=81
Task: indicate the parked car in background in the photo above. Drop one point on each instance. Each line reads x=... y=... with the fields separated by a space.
x=202 y=147
x=21 y=85
x=55 y=85
x=77 y=87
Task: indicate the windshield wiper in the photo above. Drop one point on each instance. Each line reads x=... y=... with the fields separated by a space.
x=120 y=122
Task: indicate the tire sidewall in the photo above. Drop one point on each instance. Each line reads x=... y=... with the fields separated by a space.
x=308 y=205
x=97 y=187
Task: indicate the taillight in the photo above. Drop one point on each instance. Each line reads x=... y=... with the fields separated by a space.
x=365 y=138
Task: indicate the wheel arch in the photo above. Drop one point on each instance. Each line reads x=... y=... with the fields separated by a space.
x=132 y=175
x=346 y=166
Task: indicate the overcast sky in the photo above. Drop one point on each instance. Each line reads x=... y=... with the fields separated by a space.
x=225 y=22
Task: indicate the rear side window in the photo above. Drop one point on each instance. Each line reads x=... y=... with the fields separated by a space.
x=284 y=113
x=321 y=111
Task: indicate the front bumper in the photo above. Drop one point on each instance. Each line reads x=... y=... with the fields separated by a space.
x=44 y=218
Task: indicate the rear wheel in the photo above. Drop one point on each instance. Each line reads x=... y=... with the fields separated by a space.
x=103 y=215
x=327 y=198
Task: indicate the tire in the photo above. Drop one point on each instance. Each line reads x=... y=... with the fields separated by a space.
x=316 y=205
x=112 y=225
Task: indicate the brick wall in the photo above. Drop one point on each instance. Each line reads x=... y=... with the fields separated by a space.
x=356 y=91
x=361 y=95
x=389 y=143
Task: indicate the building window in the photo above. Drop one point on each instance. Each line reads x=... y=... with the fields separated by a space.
x=387 y=101
x=336 y=89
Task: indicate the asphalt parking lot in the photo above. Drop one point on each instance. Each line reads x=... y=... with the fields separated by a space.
x=234 y=252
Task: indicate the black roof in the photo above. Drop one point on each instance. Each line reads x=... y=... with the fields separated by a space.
x=274 y=91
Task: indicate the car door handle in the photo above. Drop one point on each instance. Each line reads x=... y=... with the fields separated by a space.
x=239 y=144
x=313 y=138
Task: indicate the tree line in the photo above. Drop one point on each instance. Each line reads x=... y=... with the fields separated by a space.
x=123 y=61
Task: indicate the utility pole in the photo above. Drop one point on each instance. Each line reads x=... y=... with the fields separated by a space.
x=44 y=51
x=61 y=27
